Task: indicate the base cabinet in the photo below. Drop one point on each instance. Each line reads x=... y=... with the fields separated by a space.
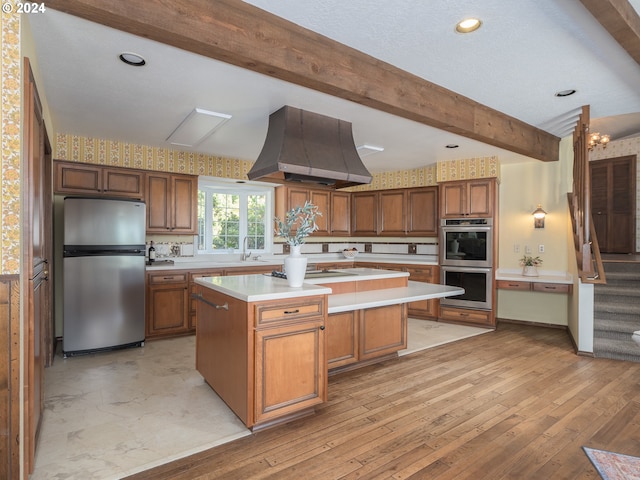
x=342 y=339
x=290 y=369
x=483 y=318
x=383 y=330
x=364 y=335
x=167 y=304
x=266 y=360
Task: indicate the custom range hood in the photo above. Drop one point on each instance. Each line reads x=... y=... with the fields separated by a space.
x=308 y=147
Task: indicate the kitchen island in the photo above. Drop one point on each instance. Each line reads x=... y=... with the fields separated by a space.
x=266 y=349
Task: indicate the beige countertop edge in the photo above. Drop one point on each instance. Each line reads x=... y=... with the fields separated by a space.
x=545 y=276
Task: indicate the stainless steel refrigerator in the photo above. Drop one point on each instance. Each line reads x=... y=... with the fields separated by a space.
x=104 y=274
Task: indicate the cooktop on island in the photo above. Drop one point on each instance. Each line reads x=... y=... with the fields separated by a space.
x=315 y=274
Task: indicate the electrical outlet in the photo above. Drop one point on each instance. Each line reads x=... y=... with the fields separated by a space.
x=413 y=248
x=540 y=248
x=527 y=249
x=516 y=248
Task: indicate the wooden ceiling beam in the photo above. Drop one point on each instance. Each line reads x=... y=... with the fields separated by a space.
x=620 y=19
x=240 y=34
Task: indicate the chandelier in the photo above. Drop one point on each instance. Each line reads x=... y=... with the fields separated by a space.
x=596 y=139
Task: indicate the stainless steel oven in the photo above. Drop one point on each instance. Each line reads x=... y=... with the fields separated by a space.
x=477 y=283
x=467 y=242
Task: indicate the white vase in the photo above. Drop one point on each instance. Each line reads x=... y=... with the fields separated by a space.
x=295 y=266
x=530 y=271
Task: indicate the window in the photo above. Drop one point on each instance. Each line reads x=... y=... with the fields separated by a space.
x=229 y=213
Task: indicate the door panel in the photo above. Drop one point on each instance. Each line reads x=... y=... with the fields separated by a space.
x=613 y=194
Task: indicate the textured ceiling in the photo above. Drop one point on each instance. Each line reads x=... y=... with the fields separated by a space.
x=525 y=52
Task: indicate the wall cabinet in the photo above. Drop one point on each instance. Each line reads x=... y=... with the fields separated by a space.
x=85 y=179
x=364 y=214
x=422 y=211
x=171 y=203
x=471 y=198
x=392 y=212
x=167 y=304
x=395 y=212
x=334 y=206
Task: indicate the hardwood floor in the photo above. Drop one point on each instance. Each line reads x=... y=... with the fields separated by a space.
x=516 y=403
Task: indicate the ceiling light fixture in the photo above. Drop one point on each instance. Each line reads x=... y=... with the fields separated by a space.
x=468 y=25
x=196 y=127
x=132 y=59
x=595 y=139
x=364 y=150
x=565 y=93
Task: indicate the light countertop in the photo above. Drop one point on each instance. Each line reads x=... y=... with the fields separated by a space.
x=545 y=276
x=253 y=288
x=415 y=291
x=232 y=261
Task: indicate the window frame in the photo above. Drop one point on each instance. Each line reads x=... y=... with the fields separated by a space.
x=244 y=190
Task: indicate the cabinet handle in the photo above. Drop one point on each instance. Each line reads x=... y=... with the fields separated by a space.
x=291 y=312
x=463 y=314
x=514 y=285
x=199 y=296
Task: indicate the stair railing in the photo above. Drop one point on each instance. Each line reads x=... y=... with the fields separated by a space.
x=584 y=236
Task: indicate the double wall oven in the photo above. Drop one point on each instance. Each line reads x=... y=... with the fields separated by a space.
x=466 y=259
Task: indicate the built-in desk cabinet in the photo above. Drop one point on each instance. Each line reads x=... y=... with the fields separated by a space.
x=528 y=286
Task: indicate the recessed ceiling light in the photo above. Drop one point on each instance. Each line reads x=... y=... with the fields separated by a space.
x=468 y=25
x=452 y=145
x=132 y=59
x=565 y=93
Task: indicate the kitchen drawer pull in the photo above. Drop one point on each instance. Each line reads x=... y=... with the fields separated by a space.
x=199 y=296
x=291 y=312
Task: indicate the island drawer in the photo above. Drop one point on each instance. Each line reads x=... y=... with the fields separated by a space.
x=267 y=314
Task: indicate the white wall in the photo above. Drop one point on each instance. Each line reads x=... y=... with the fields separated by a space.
x=523 y=186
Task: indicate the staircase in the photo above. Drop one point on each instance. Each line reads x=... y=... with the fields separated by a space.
x=617 y=312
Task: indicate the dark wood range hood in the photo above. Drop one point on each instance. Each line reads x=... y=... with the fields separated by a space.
x=303 y=146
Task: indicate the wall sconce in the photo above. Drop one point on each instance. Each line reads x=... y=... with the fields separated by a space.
x=538 y=217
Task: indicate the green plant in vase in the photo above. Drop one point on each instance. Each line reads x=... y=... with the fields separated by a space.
x=298 y=224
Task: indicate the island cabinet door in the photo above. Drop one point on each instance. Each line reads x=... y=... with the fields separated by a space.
x=291 y=370
x=342 y=339
x=383 y=330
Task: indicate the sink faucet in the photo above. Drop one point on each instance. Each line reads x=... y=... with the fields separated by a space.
x=245 y=255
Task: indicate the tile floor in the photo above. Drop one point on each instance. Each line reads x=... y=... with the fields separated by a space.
x=114 y=414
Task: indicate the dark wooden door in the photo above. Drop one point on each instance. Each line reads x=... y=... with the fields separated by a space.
x=613 y=193
x=37 y=251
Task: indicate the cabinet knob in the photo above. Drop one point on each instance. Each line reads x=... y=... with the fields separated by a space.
x=322 y=327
